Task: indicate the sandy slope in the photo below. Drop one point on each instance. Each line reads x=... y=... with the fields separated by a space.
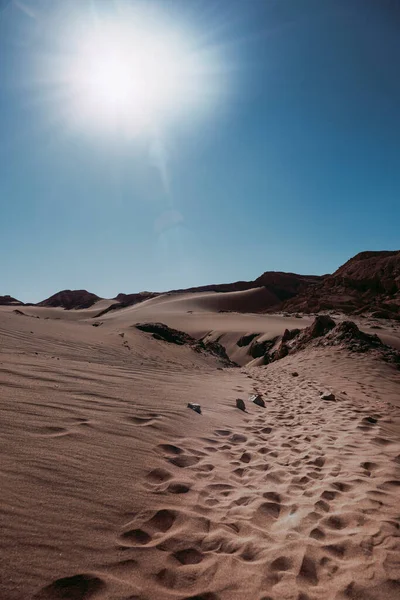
x=113 y=489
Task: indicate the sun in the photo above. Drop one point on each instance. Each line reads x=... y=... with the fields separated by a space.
x=122 y=71
x=130 y=76
x=132 y=70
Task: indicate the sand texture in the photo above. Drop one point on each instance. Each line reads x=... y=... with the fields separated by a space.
x=112 y=489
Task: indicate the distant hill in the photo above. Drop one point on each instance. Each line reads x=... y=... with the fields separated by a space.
x=281 y=285
x=71 y=299
x=367 y=283
x=10 y=301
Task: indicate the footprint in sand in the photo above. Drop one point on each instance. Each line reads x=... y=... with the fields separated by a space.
x=249 y=553
x=166 y=578
x=184 y=460
x=188 y=556
x=329 y=495
x=282 y=563
x=337 y=550
x=210 y=440
x=273 y=497
x=341 y=486
x=135 y=537
x=266 y=430
x=206 y=467
x=246 y=457
x=238 y=438
x=369 y=467
x=178 y=488
x=159 y=475
x=162 y=520
x=239 y=472
x=336 y=522
x=390 y=485
x=170 y=449
x=78 y=587
x=317 y=534
x=142 y=535
x=322 y=505
x=267 y=511
x=308 y=571
x=381 y=441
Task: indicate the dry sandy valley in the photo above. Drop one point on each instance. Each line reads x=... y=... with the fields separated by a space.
x=112 y=489
x=216 y=415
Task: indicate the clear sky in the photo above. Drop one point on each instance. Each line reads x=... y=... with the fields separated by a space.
x=284 y=156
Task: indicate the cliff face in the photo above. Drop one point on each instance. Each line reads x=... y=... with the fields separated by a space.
x=286 y=285
x=368 y=282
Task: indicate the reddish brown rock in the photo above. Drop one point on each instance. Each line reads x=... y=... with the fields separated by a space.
x=368 y=282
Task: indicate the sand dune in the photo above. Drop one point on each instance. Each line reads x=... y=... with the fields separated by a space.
x=247 y=301
x=113 y=489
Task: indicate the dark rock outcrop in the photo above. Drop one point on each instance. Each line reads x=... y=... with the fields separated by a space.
x=289 y=334
x=324 y=332
x=214 y=348
x=321 y=326
x=162 y=332
x=281 y=352
x=367 y=283
x=258 y=349
x=348 y=334
x=165 y=333
x=296 y=339
x=245 y=340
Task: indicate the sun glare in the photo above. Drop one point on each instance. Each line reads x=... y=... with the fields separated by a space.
x=133 y=76
x=132 y=69
x=123 y=74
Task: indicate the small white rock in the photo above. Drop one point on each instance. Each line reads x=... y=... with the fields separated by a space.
x=328 y=396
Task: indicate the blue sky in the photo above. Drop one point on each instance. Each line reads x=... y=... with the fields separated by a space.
x=294 y=166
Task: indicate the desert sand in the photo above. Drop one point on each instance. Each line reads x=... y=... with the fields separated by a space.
x=112 y=489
